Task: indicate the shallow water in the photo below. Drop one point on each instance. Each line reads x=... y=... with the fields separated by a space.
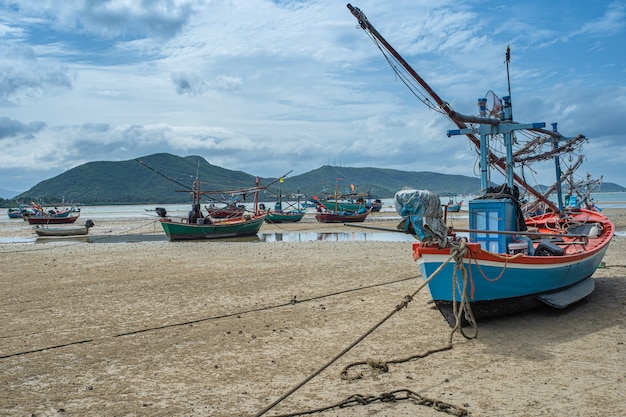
x=260 y=237
x=336 y=237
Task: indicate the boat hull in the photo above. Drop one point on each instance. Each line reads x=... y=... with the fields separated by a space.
x=506 y=306
x=496 y=287
x=376 y=207
x=454 y=208
x=343 y=205
x=332 y=217
x=51 y=219
x=499 y=284
x=14 y=213
x=181 y=230
x=59 y=232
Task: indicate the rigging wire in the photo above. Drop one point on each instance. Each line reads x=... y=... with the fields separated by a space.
x=408 y=81
x=203 y=319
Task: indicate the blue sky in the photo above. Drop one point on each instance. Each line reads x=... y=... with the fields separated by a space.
x=272 y=86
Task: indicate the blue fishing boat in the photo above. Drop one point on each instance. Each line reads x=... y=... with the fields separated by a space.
x=454 y=207
x=20 y=212
x=505 y=262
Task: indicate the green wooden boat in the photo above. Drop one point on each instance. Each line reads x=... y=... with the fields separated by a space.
x=284 y=216
x=246 y=225
x=197 y=226
x=278 y=215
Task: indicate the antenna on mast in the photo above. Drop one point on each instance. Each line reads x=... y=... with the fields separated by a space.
x=508 y=78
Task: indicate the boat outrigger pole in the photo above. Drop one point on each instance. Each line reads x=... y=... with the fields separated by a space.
x=456 y=118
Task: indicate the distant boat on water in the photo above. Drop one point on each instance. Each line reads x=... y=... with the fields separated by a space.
x=454 y=207
x=20 y=212
x=375 y=205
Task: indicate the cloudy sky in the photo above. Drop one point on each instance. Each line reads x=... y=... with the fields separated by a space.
x=271 y=86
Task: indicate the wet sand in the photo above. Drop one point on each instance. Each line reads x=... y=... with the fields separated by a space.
x=158 y=328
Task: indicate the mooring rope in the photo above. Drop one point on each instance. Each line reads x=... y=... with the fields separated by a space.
x=463 y=309
x=457 y=253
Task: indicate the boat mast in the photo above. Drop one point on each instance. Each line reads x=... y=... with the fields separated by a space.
x=256 y=195
x=508 y=78
x=456 y=118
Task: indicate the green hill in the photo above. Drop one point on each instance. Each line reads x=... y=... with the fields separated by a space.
x=164 y=178
x=125 y=182
x=383 y=183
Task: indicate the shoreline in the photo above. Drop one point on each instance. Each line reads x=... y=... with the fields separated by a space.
x=105 y=226
x=218 y=328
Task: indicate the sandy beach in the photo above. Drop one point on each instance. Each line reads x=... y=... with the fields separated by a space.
x=214 y=328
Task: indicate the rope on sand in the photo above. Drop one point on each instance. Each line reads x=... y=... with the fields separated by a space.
x=457 y=254
x=293 y=301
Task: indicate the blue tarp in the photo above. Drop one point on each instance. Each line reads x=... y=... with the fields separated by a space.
x=422 y=215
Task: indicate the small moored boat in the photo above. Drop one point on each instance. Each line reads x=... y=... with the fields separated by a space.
x=280 y=215
x=331 y=216
x=45 y=231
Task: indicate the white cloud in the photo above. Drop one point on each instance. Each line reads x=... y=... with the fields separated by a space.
x=265 y=86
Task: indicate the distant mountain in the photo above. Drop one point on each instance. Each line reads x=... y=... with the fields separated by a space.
x=379 y=182
x=611 y=187
x=168 y=179
x=606 y=187
x=6 y=194
x=164 y=178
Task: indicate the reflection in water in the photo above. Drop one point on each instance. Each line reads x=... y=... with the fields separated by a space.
x=261 y=237
x=270 y=237
x=336 y=236
x=17 y=240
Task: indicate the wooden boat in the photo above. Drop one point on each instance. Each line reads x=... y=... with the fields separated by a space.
x=63 y=218
x=230 y=210
x=453 y=207
x=352 y=201
x=345 y=203
x=332 y=216
x=333 y=213
x=551 y=262
x=507 y=263
x=39 y=215
x=18 y=213
x=197 y=226
x=279 y=215
x=45 y=231
x=375 y=205
x=284 y=217
x=246 y=225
